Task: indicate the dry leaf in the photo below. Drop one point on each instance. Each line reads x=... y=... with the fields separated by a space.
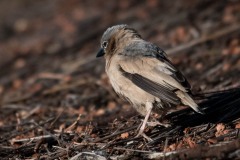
x=220 y=127
x=173 y=147
x=212 y=141
x=190 y=142
x=179 y=145
x=186 y=130
x=111 y=105
x=124 y=135
x=100 y=112
x=17 y=83
x=237 y=126
x=226 y=131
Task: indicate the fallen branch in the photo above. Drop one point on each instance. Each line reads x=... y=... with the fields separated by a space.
x=26 y=131
x=32 y=139
x=205 y=38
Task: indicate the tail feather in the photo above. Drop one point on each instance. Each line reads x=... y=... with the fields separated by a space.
x=187 y=100
x=219 y=106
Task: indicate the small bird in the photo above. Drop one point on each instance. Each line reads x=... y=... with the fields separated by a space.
x=140 y=72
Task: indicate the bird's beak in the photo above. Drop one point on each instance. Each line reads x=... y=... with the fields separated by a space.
x=100 y=53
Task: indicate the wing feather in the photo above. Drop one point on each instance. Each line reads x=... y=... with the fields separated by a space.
x=158 y=90
x=143 y=49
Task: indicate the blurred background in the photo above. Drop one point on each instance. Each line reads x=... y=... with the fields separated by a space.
x=48 y=48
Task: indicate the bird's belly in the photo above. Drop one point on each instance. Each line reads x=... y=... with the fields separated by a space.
x=131 y=92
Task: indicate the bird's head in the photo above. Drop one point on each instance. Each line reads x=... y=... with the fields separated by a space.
x=116 y=37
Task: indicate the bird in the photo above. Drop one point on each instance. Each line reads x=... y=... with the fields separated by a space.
x=140 y=72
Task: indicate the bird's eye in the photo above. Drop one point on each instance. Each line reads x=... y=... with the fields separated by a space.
x=104 y=44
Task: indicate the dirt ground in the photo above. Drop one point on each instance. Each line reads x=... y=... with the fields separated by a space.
x=55 y=98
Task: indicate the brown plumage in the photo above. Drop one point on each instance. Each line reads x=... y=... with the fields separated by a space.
x=140 y=72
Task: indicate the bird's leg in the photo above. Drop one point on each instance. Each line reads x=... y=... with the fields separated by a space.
x=149 y=107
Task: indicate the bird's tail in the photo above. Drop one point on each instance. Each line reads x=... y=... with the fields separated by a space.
x=219 y=106
x=187 y=100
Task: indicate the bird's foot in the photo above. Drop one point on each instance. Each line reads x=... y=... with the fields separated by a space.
x=141 y=133
x=154 y=123
x=145 y=136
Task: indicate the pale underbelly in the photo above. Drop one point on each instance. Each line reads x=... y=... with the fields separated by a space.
x=135 y=95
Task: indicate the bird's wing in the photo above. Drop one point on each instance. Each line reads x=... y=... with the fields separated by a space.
x=147 y=66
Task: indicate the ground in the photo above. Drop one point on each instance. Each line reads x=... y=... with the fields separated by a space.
x=55 y=98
